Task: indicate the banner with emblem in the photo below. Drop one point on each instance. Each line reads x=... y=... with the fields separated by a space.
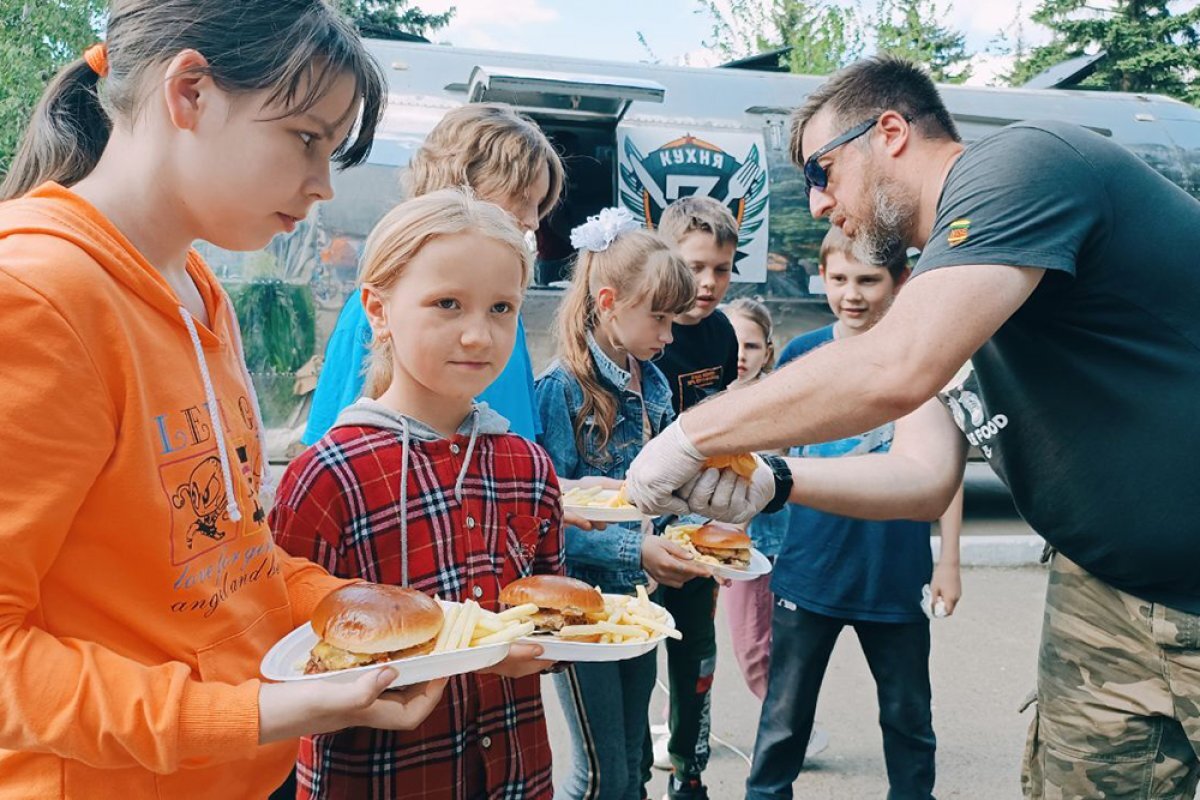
x=658 y=165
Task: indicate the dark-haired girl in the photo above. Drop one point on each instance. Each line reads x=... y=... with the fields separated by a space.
x=139 y=584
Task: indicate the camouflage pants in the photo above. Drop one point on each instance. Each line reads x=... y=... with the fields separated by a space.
x=1118 y=712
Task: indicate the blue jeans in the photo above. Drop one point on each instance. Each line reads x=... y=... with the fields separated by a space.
x=898 y=656
x=605 y=706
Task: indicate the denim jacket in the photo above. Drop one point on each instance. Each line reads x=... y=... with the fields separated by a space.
x=611 y=558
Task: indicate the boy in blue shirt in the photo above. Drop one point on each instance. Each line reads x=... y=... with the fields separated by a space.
x=835 y=571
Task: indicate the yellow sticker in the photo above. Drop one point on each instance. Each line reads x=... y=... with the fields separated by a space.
x=960 y=229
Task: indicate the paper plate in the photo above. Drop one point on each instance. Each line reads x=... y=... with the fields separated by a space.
x=605 y=514
x=285 y=662
x=556 y=649
x=759 y=565
x=602 y=513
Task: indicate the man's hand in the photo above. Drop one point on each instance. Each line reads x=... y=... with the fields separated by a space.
x=728 y=497
x=522 y=660
x=670 y=564
x=946 y=586
x=666 y=463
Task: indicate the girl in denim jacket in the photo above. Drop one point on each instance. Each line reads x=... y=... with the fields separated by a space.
x=599 y=402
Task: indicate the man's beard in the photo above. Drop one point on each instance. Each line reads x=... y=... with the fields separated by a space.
x=883 y=238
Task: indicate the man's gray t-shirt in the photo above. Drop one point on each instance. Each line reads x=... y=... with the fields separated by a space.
x=1088 y=401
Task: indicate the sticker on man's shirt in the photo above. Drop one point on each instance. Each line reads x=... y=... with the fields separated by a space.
x=960 y=229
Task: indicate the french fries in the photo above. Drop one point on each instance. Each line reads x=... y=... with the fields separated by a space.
x=601 y=628
x=624 y=620
x=596 y=497
x=469 y=625
x=619 y=500
x=517 y=612
x=506 y=634
x=682 y=536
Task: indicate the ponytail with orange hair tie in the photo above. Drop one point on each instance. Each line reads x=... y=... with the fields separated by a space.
x=96 y=57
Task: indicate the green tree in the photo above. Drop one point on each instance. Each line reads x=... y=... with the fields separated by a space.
x=911 y=28
x=1149 y=46
x=1013 y=41
x=822 y=36
x=380 y=17
x=37 y=37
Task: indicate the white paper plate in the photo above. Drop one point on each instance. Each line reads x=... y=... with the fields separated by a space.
x=285 y=662
x=555 y=649
x=604 y=513
x=759 y=565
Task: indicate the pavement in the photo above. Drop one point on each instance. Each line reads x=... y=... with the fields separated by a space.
x=983 y=665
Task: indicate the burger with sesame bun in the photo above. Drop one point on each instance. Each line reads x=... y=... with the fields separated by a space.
x=560 y=601
x=725 y=544
x=370 y=623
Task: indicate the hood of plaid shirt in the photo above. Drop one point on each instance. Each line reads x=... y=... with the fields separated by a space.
x=371 y=413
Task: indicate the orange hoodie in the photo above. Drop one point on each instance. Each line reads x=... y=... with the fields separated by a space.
x=139 y=585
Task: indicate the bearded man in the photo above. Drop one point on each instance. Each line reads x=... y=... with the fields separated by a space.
x=1068 y=271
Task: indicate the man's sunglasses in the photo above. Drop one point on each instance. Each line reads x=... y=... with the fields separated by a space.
x=815 y=175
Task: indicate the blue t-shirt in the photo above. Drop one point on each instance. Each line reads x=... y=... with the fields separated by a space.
x=851 y=568
x=344 y=371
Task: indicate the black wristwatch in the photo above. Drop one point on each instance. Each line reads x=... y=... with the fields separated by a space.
x=783 y=482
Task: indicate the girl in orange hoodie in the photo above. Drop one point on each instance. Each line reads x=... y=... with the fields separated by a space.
x=139 y=584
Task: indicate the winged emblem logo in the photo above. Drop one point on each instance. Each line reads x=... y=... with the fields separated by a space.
x=689 y=166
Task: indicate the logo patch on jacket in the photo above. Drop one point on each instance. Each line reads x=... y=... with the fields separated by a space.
x=960 y=229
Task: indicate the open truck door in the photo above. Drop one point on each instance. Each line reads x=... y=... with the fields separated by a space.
x=580 y=113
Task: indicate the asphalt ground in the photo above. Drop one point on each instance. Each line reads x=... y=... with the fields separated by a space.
x=983 y=665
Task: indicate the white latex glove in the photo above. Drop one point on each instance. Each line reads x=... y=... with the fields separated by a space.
x=667 y=462
x=725 y=496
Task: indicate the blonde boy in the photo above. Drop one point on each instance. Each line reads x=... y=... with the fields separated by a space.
x=700 y=361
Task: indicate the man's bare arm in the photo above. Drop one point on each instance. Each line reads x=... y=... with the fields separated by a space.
x=852 y=385
x=916 y=479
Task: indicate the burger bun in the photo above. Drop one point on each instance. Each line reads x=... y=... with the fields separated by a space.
x=376 y=618
x=554 y=592
x=717 y=536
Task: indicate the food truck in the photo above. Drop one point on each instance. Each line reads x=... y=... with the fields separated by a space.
x=634 y=134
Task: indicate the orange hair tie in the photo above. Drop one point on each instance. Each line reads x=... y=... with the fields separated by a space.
x=96 y=57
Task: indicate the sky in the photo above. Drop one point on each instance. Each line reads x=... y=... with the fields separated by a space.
x=673 y=29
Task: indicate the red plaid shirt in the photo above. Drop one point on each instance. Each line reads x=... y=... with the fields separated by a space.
x=338 y=504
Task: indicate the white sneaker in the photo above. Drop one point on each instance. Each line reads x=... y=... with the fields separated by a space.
x=818 y=740
x=662 y=759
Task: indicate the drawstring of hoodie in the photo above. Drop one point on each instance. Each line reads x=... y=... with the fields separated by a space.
x=214 y=413
x=402 y=506
x=462 y=473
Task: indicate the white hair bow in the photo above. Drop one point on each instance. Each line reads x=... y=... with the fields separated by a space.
x=600 y=230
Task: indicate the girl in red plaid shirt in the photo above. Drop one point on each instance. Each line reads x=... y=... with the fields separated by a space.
x=420 y=486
